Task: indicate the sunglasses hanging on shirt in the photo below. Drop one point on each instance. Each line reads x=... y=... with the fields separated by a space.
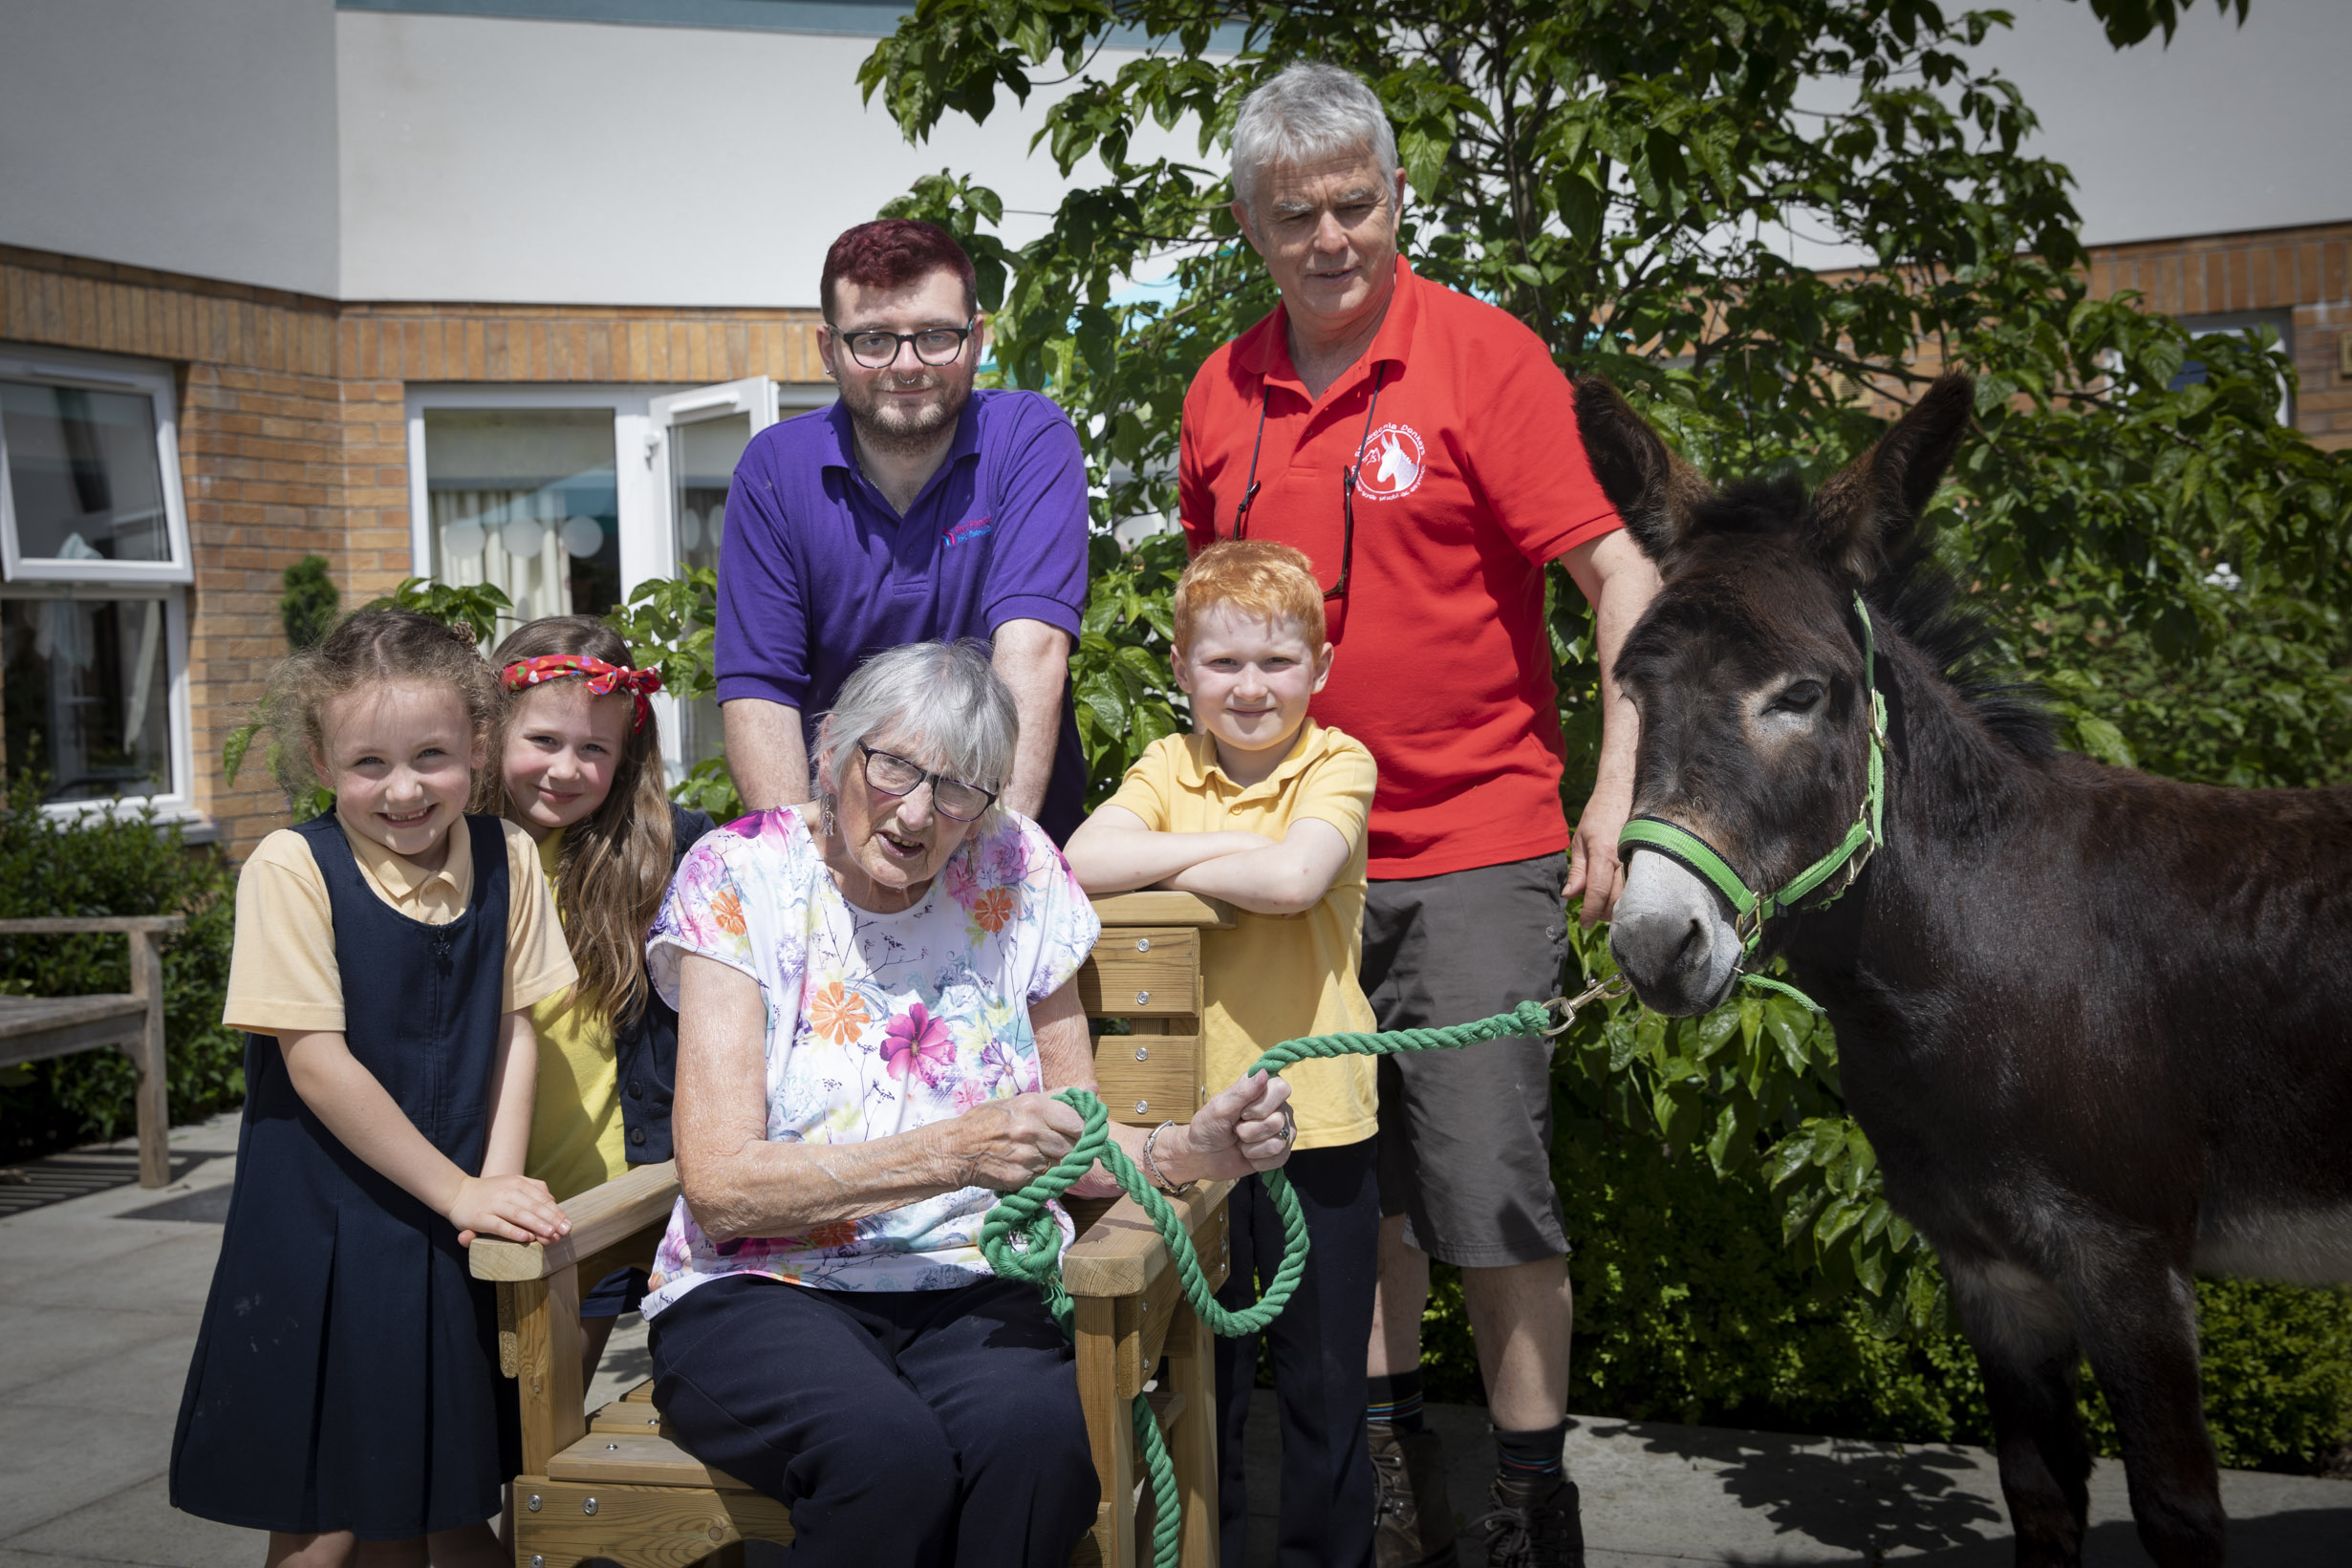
x=1347 y=488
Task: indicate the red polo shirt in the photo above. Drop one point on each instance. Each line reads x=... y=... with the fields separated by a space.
x=1473 y=477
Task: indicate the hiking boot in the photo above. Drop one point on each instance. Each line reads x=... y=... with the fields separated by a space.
x=1538 y=1528
x=1412 y=1522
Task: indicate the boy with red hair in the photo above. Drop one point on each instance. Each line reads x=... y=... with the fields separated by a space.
x=1265 y=809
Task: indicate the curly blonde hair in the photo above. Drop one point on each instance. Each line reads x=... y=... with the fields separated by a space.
x=367 y=647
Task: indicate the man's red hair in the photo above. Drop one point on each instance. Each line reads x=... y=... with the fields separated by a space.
x=1257 y=577
x=892 y=253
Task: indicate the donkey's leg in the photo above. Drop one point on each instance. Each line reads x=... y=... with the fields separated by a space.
x=2024 y=1337
x=2139 y=1314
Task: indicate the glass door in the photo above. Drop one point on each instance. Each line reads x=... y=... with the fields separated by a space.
x=697 y=439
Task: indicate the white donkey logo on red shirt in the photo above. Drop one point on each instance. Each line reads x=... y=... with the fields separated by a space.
x=1393 y=463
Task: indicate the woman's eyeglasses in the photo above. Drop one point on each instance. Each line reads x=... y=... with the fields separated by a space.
x=951 y=798
x=933 y=345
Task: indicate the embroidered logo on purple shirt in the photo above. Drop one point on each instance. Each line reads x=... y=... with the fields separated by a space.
x=967 y=530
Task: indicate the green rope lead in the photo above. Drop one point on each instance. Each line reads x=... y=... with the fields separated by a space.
x=1021 y=1240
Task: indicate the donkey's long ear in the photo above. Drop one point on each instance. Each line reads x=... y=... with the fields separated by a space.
x=1867 y=506
x=1654 y=490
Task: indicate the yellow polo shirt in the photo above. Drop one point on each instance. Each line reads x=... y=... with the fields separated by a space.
x=577 y=1137
x=1277 y=977
x=283 y=972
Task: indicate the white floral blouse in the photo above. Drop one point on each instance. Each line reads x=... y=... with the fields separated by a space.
x=877 y=1024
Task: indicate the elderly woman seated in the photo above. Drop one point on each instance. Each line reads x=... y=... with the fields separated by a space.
x=876 y=994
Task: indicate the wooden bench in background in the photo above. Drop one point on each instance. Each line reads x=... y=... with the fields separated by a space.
x=39 y=1028
x=615 y=1484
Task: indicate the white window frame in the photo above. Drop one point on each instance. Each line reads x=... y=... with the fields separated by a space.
x=166 y=581
x=177 y=801
x=64 y=368
x=631 y=481
x=2241 y=324
x=642 y=416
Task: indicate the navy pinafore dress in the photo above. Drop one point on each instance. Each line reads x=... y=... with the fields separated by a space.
x=346 y=1375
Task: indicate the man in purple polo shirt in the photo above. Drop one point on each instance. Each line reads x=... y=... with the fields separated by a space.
x=914 y=508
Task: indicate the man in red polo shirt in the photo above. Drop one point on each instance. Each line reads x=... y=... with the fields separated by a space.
x=1421 y=447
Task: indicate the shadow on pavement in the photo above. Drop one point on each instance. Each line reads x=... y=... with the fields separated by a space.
x=2306 y=1537
x=1867 y=1498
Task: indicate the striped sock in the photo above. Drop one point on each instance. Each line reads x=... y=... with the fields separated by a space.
x=1394 y=1401
x=1525 y=1458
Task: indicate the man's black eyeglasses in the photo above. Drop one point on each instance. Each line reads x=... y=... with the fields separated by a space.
x=952 y=798
x=1346 y=485
x=933 y=345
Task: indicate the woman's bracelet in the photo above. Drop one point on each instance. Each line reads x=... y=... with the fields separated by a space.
x=1152 y=1165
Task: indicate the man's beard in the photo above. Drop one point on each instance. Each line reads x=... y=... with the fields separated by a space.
x=887 y=422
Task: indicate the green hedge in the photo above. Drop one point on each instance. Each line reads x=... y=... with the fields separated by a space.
x=1689 y=1309
x=103 y=864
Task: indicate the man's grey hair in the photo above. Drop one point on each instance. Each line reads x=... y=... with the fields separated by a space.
x=1310 y=111
x=942 y=705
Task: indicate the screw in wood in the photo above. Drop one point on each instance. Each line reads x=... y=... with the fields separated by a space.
x=589 y=1507
x=1142 y=997
x=1143 y=944
x=1143 y=1053
x=1142 y=1106
x=534 y=1504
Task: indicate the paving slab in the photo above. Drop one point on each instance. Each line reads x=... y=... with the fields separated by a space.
x=138 y=1526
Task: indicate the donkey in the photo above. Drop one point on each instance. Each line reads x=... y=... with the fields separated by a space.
x=2098 y=1026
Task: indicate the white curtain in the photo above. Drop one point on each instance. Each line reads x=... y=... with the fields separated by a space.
x=511 y=539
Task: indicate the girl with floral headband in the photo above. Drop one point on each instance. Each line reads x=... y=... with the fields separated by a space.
x=579 y=769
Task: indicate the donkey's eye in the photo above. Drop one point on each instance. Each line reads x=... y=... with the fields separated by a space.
x=1803 y=697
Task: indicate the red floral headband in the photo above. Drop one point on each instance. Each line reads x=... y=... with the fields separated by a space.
x=602 y=678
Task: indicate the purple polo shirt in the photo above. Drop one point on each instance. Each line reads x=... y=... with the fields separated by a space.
x=817 y=572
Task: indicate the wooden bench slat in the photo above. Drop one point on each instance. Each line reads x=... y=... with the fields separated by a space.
x=39 y=1028
x=1164 y=1086
x=1121 y=1254
x=626 y=1415
x=25 y=1015
x=1159 y=908
x=1142 y=972
x=646 y=1458
x=654 y=1527
x=602 y=1218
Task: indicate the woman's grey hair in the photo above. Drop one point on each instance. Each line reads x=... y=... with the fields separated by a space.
x=942 y=704
x=1310 y=111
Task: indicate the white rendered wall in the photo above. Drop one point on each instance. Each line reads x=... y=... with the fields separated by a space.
x=393 y=155
x=191 y=135
x=593 y=163
x=2229 y=128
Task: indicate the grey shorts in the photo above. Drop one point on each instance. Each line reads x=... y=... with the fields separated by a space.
x=1466 y=1136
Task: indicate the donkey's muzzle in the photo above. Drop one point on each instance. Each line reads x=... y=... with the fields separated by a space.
x=1672 y=939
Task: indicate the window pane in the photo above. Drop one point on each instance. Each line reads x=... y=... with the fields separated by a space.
x=83 y=474
x=524 y=499
x=87 y=695
x=704 y=456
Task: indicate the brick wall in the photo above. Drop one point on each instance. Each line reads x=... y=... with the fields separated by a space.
x=2306 y=273
x=293 y=438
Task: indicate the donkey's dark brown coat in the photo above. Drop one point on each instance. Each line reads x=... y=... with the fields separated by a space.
x=2098 y=1026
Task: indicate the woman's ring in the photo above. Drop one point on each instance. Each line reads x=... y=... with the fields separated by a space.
x=1291 y=1126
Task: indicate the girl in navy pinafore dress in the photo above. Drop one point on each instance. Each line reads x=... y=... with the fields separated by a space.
x=345 y=1383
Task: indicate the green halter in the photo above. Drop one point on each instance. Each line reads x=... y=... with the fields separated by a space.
x=1751 y=909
